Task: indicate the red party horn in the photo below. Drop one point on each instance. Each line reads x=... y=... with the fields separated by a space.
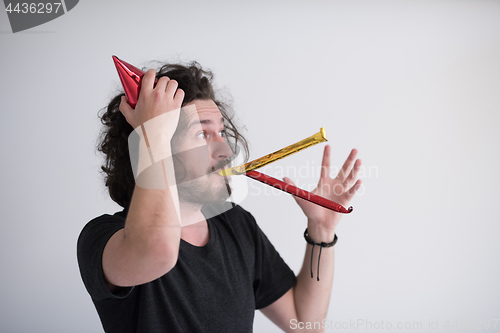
x=131 y=78
x=314 y=198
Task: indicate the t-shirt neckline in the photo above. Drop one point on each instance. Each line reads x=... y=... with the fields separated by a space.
x=210 y=242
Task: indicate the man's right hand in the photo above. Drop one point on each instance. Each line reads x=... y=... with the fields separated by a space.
x=153 y=100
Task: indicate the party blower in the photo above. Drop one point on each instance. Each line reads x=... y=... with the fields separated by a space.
x=249 y=170
x=131 y=78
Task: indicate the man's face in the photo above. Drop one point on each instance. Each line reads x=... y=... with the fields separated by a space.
x=200 y=150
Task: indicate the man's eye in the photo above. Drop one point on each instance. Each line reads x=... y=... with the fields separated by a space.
x=203 y=135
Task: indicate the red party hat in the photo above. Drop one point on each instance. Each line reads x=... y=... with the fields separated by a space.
x=131 y=78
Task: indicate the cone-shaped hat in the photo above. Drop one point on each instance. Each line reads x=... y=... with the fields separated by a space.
x=131 y=78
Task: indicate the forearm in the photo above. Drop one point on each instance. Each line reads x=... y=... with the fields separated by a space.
x=147 y=247
x=152 y=223
x=312 y=297
x=152 y=220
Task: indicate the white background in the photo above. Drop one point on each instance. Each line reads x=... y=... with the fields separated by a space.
x=413 y=85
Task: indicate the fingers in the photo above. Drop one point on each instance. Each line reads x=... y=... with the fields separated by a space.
x=179 y=96
x=325 y=163
x=353 y=175
x=171 y=88
x=289 y=181
x=168 y=87
x=162 y=83
x=346 y=168
x=124 y=107
x=148 y=80
x=127 y=111
x=352 y=191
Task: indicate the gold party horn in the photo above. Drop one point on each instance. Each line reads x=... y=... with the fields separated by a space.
x=277 y=155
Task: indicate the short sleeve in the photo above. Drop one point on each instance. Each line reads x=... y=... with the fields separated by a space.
x=90 y=248
x=273 y=278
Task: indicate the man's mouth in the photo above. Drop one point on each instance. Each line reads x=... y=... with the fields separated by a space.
x=219 y=167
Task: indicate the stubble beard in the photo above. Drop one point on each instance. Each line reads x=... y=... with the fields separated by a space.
x=205 y=191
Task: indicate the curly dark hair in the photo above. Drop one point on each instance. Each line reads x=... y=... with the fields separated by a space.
x=113 y=140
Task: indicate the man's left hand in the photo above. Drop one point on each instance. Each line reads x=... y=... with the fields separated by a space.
x=322 y=222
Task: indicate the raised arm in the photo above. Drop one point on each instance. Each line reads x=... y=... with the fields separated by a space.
x=304 y=307
x=147 y=247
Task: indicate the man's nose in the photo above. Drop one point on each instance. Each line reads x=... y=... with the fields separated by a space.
x=220 y=149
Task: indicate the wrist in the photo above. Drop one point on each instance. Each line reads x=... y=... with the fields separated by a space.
x=321 y=245
x=158 y=133
x=320 y=234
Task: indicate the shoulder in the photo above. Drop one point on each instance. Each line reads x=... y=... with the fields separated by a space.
x=90 y=247
x=105 y=220
x=100 y=229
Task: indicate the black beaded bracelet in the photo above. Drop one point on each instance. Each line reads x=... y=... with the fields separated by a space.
x=321 y=245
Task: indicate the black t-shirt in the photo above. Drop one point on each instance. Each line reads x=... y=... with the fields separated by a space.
x=213 y=288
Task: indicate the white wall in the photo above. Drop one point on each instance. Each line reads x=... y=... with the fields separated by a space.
x=413 y=85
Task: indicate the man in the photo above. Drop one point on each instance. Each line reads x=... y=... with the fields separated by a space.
x=167 y=262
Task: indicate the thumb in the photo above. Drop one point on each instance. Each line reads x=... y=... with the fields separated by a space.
x=290 y=182
x=124 y=107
